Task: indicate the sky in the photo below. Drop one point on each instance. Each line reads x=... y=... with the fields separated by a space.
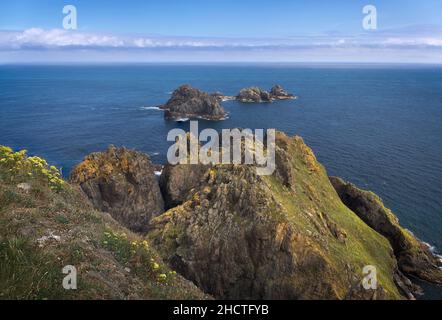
x=221 y=31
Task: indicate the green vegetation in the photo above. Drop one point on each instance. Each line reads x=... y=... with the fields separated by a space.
x=16 y=167
x=49 y=224
x=139 y=256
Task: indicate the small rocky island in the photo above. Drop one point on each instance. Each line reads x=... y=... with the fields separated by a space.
x=257 y=95
x=190 y=103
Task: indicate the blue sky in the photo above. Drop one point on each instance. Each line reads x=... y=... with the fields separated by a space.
x=222 y=30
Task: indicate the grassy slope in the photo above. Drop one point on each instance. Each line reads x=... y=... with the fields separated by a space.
x=112 y=263
x=314 y=193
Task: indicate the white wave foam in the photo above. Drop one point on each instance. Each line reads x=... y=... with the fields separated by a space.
x=150 y=108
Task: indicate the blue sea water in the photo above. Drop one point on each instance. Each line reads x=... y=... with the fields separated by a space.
x=378 y=126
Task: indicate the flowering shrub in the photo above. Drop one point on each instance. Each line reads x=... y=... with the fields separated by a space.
x=18 y=167
x=138 y=255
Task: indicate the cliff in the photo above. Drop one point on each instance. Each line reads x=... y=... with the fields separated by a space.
x=234 y=234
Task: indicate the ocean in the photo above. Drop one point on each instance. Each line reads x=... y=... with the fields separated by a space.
x=378 y=126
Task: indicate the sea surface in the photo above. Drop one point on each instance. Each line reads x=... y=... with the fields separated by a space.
x=378 y=126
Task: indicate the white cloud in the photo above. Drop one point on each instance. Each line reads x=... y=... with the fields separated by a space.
x=425 y=44
x=431 y=42
x=35 y=38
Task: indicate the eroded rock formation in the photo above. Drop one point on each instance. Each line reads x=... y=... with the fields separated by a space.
x=121 y=182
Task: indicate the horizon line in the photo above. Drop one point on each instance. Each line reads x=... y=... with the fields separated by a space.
x=75 y=63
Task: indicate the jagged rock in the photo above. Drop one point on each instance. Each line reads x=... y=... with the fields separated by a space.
x=121 y=182
x=238 y=235
x=188 y=102
x=413 y=256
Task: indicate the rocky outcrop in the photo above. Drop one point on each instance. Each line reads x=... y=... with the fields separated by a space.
x=188 y=102
x=238 y=235
x=413 y=256
x=121 y=182
x=257 y=95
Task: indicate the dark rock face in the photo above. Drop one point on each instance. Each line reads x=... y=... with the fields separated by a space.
x=258 y=95
x=121 y=182
x=413 y=256
x=187 y=102
x=177 y=181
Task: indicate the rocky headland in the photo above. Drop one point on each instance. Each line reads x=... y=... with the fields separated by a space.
x=296 y=234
